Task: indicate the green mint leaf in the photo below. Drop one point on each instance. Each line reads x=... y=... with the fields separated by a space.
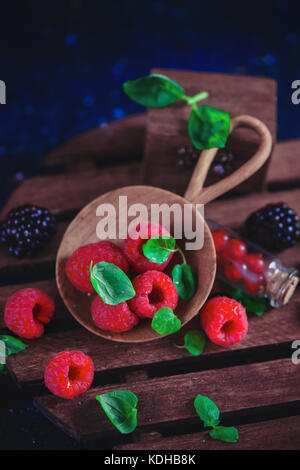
x=208 y=127
x=165 y=322
x=111 y=283
x=252 y=303
x=194 y=342
x=226 y=434
x=120 y=407
x=183 y=278
x=12 y=345
x=153 y=91
x=207 y=410
x=158 y=249
x=3 y=370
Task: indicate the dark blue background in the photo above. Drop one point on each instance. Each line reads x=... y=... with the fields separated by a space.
x=64 y=64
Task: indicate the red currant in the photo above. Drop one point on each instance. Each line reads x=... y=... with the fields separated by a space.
x=254 y=284
x=255 y=263
x=235 y=250
x=235 y=271
x=220 y=239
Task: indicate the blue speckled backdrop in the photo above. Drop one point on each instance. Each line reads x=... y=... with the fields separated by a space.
x=64 y=63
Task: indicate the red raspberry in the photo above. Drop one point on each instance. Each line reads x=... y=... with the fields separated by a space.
x=224 y=321
x=78 y=265
x=254 y=283
x=235 y=270
x=154 y=290
x=220 y=239
x=27 y=311
x=69 y=374
x=255 y=262
x=116 y=318
x=235 y=250
x=133 y=248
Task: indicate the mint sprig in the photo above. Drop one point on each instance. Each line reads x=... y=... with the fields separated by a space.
x=207 y=127
x=120 y=406
x=194 y=342
x=111 y=283
x=165 y=321
x=209 y=413
x=157 y=250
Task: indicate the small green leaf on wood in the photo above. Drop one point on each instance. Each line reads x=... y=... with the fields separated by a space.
x=208 y=127
x=194 y=342
x=153 y=91
x=165 y=322
x=120 y=406
x=12 y=345
x=226 y=434
x=207 y=410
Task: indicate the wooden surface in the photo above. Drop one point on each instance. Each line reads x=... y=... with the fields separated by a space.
x=167 y=128
x=254 y=382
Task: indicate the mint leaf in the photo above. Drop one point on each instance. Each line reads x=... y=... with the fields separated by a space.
x=165 y=322
x=183 y=278
x=153 y=91
x=252 y=303
x=207 y=410
x=3 y=370
x=208 y=127
x=111 y=283
x=12 y=345
x=120 y=407
x=158 y=249
x=226 y=434
x=194 y=342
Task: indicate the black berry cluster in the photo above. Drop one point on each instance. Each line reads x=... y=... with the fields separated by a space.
x=222 y=165
x=27 y=229
x=275 y=227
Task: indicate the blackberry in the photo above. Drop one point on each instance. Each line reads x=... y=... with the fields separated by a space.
x=275 y=227
x=222 y=165
x=27 y=229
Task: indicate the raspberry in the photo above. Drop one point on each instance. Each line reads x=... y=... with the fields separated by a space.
x=27 y=229
x=235 y=250
x=255 y=263
x=115 y=318
x=220 y=238
x=235 y=270
x=27 y=311
x=133 y=251
x=78 y=265
x=224 y=321
x=154 y=290
x=254 y=283
x=69 y=374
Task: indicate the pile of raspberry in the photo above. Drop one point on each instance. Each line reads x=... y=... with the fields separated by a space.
x=237 y=265
x=154 y=289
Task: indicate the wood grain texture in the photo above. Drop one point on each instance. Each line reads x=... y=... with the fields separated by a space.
x=167 y=127
x=284 y=168
x=276 y=326
x=233 y=389
x=122 y=140
x=277 y=434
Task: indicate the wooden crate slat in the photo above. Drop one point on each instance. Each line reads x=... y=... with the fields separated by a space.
x=276 y=326
x=233 y=389
x=167 y=132
x=120 y=140
x=71 y=191
x=284 y=167
x=49 y=287
x=277 y=434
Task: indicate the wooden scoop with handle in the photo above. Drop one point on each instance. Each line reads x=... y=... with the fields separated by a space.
x=82 y=230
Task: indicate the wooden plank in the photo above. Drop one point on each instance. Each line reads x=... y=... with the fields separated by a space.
x=167 y=127
x=284 y=168
x=277 y=434
x=233 y=389
x=49 y=287
x=121 y=140
x=276 y=326
x=72 y=191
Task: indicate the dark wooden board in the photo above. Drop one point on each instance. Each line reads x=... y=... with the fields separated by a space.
x=167 y=127
x=232 y=388
x=277 y=434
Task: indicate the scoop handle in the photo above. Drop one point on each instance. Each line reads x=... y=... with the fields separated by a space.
x=197 y=194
